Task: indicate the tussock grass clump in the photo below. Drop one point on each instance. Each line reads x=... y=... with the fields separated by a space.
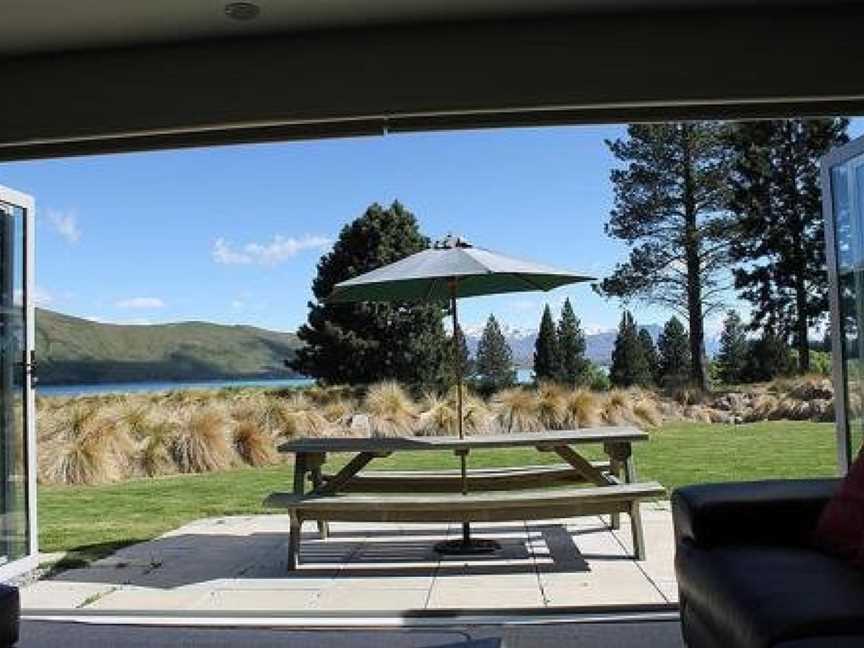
x=517 y=410
x=154 y=452
x=92 y=449
x=645 y=411
x=201 y=444
x=618 y=408
x=254 y=445
x=583 y=408
x=552 y=405
x=298 y=417
x=438 y=418
x=391 y=410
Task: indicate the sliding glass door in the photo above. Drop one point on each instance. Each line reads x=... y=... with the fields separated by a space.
x=18 y=542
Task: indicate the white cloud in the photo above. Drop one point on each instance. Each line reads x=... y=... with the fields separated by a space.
x=65 y=223
x=142 y=303
x=238 y=304
x=277 y=251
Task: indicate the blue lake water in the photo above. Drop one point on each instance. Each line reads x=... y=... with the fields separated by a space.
x=522 y=376
x=160 y=386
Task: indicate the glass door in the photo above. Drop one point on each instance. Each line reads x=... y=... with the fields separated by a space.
x=18 y=540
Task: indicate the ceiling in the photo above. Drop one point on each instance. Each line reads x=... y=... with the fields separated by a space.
x=31 y=26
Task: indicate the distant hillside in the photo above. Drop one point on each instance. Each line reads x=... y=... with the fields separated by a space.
x=74 y=350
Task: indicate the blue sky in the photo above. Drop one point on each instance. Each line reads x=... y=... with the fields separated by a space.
x=232 y=234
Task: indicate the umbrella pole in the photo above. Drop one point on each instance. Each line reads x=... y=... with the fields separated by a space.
x=457 y=361
x=467 y=545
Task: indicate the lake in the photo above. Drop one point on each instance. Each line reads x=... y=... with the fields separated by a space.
x=164 y=386
x=522 y=376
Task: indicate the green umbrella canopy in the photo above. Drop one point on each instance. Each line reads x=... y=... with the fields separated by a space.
x=451 y=268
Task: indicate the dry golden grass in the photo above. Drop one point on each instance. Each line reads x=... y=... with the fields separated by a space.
x=583 y=408
x=552 y=406
x=91 y=449
x=154 y=452
x=438 y=418
x=254 y=445
x=517 y=410
x=201 y=443
x=391 y=410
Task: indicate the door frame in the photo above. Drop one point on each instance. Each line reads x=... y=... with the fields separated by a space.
x=31 y=559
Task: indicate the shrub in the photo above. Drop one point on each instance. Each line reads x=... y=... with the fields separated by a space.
x=551 y=405
x=582 y=408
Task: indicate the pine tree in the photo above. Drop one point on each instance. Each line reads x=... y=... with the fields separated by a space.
x=670 y=208
x=547 y=357
x=494 y=359
x=734 y=348
x=769 y=356
x=673 y=350
x=629 y=366
x=650 y=352
x=779 y=239
x=460 y=364
x=574 y=367
x=366 y=342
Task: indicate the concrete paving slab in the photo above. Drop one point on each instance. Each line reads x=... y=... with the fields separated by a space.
x=239 y=563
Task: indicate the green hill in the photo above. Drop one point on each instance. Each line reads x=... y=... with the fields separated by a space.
x=74 y=350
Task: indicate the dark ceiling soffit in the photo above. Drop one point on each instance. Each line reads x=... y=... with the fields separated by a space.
x=749 y=63
x=421 y=123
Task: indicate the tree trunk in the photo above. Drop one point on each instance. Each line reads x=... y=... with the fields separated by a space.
x=802 y=342
x=698 y=359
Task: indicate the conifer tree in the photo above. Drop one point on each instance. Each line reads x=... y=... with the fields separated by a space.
x=629 y=366
x=650 y=352
x=673 y=350
x=574 y=367
x=494 y=359
x=461 y=363
x=734 y=348
x=366 y=342
x=547 y=357
x=779 y=238
x=671 y=209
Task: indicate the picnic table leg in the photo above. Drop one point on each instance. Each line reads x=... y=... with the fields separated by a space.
x=318 y=482
x=300 y=467
x=635 y=513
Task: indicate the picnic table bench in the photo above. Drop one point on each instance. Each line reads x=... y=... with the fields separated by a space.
x=436 y=495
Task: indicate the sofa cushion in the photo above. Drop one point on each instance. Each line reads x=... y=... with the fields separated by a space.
x=840 y=530
x=763 y=595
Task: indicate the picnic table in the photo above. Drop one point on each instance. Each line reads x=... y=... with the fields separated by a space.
x=616 y=480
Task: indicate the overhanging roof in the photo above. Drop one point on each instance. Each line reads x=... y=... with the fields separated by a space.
x=736 y=60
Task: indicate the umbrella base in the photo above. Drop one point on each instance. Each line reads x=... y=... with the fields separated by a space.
x=472 y=547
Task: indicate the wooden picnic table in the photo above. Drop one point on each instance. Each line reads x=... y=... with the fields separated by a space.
x=311 y=454
x=617 y=478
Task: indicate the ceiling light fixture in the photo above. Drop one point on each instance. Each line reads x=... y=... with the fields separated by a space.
x=242 y=10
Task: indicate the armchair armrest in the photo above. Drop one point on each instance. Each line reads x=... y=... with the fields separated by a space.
x=779 y=512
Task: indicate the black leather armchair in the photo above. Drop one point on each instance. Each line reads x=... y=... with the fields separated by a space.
x=10 y=612
x=748 y=576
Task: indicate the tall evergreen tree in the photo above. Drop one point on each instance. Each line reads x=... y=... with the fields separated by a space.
x=547 y=356
x=769 y=356
x=673 y=350
x=670 y=201
x=650 y=352
x=459 y=364
x=779 y=239
x=494 y=359
x=629 y=366
x=734 y=348
x=574 y=367
x=365 y=342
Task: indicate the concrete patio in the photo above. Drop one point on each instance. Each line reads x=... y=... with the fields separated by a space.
x=237 y=564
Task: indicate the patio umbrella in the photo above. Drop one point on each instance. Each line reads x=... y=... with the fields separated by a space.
x=450 y=269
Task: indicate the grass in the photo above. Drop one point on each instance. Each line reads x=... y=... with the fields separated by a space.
x=91 y=521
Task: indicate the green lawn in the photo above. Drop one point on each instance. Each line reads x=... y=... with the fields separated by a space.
x=93 y=520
